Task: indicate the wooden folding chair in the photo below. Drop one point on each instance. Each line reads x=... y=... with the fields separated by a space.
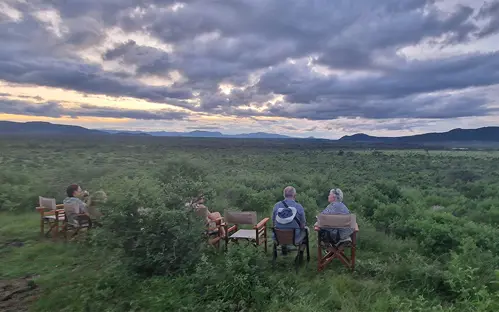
x=52 y=215
x=328 y=251
x=75 y=221
x=213 y=233
x=257 y=235
x=288 y=237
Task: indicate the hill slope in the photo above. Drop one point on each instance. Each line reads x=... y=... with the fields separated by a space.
x=206 y=134
x=485 y=134
x=37 y=127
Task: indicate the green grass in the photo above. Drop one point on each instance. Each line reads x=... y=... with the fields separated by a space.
x=63 y=269
x=409 y=258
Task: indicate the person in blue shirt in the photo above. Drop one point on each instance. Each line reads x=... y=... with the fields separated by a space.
x=74 y=193
x=289 y=214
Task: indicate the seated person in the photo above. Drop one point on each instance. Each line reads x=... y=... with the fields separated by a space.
x=74 y=196
x=288 y=214
x=211 y=217
x=336 y=206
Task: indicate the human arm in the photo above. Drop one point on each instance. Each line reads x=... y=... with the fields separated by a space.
x=274 y=213
x=301 y=217
x=82 y=207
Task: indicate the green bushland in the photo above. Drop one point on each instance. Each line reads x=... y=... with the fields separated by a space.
x=427 y=242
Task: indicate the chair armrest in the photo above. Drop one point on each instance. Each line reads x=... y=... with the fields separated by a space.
x=261 y=223
x=59 y=207
x=232 y=229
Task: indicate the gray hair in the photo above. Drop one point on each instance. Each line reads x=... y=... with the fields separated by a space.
x=289 y=191
x=338 y=194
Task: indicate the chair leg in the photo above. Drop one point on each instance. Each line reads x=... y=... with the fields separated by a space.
x=265 y=238
x=353 y=257
x=274 y=254
x=319 y=255
x=56 y=235
x=42 y=226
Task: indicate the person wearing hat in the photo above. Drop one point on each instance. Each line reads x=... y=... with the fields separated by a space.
x=288 y=214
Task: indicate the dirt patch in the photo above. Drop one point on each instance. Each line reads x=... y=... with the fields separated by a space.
x=15 y=244
x=17 y=294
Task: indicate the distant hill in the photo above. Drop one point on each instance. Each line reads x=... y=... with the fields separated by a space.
x=485 y=134
x=37 y=127
x=205 y=134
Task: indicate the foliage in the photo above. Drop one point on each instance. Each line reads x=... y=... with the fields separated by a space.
x=428 y=225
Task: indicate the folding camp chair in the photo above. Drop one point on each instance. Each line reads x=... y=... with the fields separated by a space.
x=327 y=251
x=75 y=221
x=52 y=215
x=257 y=235
x=288 y=237
x=213 y=233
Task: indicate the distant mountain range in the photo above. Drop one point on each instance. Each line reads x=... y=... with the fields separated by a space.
x=36 y=127
x=485 y=134
x=204 y=134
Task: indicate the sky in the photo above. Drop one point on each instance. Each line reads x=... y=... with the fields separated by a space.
x=303 y=68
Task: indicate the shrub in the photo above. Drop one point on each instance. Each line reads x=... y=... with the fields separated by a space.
x=182 y=180
x=239 y=282
x=153 y=237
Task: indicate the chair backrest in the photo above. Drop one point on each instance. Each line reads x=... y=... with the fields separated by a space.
x=240 y=217
x=48 y=203
x=337 y=220
x=285 y=236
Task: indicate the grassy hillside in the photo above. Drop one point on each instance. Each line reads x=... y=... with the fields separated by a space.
x=411 y=255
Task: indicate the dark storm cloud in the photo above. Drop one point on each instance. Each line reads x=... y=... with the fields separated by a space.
x=81 y=77
x=250 y=42
x=301 y=86
x=147 y=59
x=490 y=11
x=428 y=107
x=44 y=62
x=55 y=110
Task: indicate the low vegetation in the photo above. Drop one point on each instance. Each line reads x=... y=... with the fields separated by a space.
x=428 y=227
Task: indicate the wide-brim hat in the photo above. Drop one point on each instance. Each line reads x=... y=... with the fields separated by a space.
x=286 y=215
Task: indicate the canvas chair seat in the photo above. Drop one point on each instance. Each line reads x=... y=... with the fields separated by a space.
x=257 y=235
x=328 y=251
x=52 y=217
x=244 y=234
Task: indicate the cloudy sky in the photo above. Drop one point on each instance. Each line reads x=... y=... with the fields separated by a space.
x=299 y=67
